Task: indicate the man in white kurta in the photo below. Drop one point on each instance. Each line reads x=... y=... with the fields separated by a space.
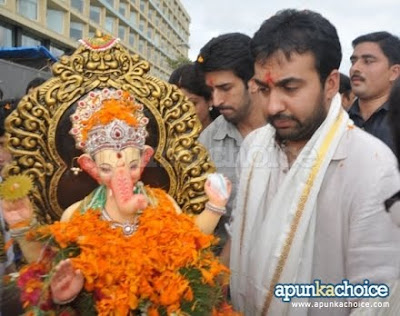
x=312 y=186
x=354 y=237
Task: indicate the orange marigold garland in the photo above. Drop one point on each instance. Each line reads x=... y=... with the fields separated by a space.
x=166 y=267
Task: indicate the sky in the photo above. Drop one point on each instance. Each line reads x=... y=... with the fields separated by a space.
x=210 y=18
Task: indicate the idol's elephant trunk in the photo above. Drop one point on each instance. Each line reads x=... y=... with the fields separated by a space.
x=122 y=189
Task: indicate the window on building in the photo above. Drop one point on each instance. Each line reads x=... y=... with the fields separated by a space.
x=2 y=1
x=141 y=25
x=109 y=24
x=27 y=40
x=6 y=39
x=76 y=30
x=110 y=2
x=132 y=17
x=122 y=8
x=149 y=50
x=150 y=14
x=77 y=4
x=150 y=32
x=95 y=14
x=55 y=20
x=121 y=32
x=142 y=5
x=132 y=39
x=28 y=8
x=141 y=46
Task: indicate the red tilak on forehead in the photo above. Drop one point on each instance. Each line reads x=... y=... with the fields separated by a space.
x=210 y=82
x=119 y=155
x=268 y=78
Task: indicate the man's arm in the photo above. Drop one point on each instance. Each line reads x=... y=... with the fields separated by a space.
x=374 y=240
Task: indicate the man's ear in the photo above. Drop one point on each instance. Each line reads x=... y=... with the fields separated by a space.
x=87 y=164
x=395 y=72
x=146 y=156
x=332 y=83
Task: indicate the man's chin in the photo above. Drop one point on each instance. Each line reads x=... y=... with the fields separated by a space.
x=288 y=136
x=230 y=118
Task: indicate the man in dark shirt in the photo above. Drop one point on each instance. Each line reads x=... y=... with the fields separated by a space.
x=375 y=66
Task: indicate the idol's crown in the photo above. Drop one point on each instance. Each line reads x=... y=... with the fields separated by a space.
x=108 y=119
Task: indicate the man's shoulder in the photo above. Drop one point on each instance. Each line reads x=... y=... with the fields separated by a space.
x=217 y=129
x=365 y=147
x=219 y=122
x=256 y=136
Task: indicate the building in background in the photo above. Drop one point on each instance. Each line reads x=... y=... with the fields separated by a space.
x=157 y=30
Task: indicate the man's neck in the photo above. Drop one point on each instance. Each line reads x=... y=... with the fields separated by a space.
x=292 y=149
x=369 y=106
x=254 y=120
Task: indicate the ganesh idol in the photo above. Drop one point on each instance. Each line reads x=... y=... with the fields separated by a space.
x=110 y=128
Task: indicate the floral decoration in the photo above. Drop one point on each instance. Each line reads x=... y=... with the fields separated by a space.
x=166 y=267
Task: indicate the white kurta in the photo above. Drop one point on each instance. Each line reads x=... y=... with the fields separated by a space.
x=354 y=236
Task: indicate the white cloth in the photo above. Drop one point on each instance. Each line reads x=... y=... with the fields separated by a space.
x=267 y=217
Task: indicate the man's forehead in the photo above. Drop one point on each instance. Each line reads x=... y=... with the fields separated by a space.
x=367 y=48
x=214 y=78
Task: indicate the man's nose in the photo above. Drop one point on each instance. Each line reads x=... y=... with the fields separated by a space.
x=274 y=104
x=217 y=98
x=355 y=67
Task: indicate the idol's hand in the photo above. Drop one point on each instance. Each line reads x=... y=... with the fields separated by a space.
x=17 y=212
x=218 y=189
x=66 y=283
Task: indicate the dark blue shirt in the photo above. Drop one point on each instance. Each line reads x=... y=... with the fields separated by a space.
x=377 y=125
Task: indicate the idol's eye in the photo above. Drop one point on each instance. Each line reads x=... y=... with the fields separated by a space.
x=134 y=166
x=105 y=169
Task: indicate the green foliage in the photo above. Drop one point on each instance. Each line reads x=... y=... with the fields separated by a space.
x=205 y=296
x=176 y=63
x=85 y=304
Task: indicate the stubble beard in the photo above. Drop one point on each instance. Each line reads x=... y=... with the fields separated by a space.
x=303 y=130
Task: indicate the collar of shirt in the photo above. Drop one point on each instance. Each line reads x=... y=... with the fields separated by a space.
x=355 y=109
x=227 y=129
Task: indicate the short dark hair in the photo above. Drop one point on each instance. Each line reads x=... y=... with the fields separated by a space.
x=389 y=44
x=292 y=31
x=190 y=79
x=394 y=115
x=228 y=52
x=345 y=86
x=34 y=83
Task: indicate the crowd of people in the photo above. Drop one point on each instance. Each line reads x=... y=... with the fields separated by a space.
x=310 y=157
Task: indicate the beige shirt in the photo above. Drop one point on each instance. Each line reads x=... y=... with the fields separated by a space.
x=223 y=140
x=355 y=238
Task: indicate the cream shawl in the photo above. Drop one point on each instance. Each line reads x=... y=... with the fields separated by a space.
x=274 y=243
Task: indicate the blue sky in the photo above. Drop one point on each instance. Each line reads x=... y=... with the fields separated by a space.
x=351 y=18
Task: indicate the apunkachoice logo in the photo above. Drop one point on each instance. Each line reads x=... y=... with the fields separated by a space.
x=287 y=291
